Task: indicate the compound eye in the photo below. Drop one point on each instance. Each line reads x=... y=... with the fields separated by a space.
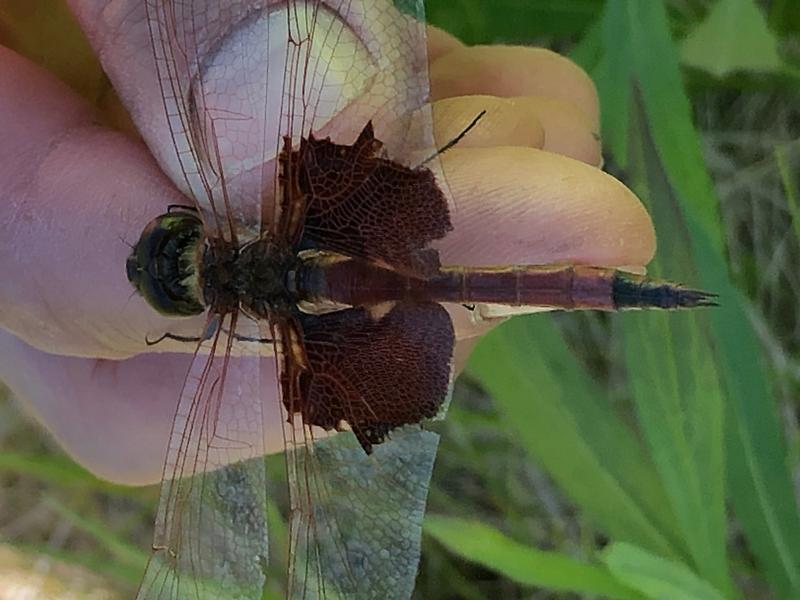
x=163 y=265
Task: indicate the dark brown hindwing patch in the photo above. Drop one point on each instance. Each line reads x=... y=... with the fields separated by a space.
x=367 y=206
x=375 y=374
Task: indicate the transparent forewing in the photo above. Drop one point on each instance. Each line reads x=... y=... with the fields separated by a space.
x=360 y=537
x=211 y=538
x=237 y=76
x=220 y=70
x=352 y=61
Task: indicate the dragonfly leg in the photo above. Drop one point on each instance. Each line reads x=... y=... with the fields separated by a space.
x=244 y=338
x=172 y=336
x=196 y=338
x=455 y=140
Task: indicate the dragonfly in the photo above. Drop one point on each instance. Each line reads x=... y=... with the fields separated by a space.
x=305 y=149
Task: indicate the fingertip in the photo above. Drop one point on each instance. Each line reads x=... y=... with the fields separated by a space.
x=525 y=206
x=514 y=71
x=567 y=130
x=441 y=42
x=505 y=122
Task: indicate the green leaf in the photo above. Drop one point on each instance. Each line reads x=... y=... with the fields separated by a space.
x=525 y=565
x=63 y=472
x=734 y=37
x=789 y=189
x=510 y=21
x=674 y=379
x=121 y=550
x=559 y=416
x=759 y=480
x=655 y=576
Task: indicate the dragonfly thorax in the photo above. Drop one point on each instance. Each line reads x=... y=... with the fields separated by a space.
x=258 y=279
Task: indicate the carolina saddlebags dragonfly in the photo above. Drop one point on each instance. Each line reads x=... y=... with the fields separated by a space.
x=305 y=144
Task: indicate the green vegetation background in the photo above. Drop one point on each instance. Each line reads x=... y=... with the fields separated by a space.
x=643 y=456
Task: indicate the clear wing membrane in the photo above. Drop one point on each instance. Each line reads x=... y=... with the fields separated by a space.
x=360 y=537
x=358 y=60
x=237 y=79
x=211 y=536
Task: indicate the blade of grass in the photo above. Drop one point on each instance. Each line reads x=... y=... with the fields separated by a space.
x=125 y=553
x=559 y=418
x=675 y=382
x=525 y=565
x=656 y=577
x=63 y=472
x=789 y=188
x=760 y=484
x=95 y=562
x=613 y=77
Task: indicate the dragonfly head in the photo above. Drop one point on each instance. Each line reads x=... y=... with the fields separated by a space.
x=163 y=266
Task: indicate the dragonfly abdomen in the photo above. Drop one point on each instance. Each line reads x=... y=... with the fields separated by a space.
x=568 y=287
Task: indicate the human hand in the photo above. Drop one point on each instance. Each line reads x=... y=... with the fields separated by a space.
x=74 y=347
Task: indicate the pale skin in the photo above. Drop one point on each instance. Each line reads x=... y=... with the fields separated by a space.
x=525 y=183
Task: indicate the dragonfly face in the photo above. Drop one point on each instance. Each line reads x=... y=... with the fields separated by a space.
x=313 y=213
x=163 y=267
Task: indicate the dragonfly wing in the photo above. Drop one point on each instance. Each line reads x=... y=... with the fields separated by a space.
x=211 y=537
x=356 y=514
x=217 y=70
x=236 y=77
x=375 y=370
x=365 y=206
x=360 y=538
x=352 y=61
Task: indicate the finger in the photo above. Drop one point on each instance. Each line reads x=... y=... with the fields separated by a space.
x=115 y=417
x=567 y=130
x=73 y=195
x=514 y=71
x=506 y=122
x=440 y=42
x=526 y=206
x=533 y=121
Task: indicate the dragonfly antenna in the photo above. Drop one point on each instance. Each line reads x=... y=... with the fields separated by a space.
x=456 y=139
